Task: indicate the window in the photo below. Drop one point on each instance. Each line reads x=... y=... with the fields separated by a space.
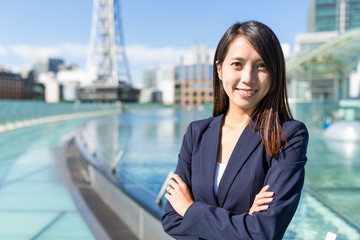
x=195 y=71
x=202 y=71
x=211 y=71
x=178 y=73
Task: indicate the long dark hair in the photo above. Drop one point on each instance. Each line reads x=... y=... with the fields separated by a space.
x=274 y=106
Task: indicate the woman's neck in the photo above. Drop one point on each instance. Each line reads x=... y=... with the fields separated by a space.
x=236 y=118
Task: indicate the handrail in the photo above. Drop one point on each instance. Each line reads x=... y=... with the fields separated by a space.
x=343 y=215
x=163 y=188
x=22 y=113
x=18 y=110
x=116 y=161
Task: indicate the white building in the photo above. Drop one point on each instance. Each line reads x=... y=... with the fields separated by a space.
x=355 y=83
x=63 y=82
x=72 y=79
x=158 y=85
x=306 y=42
x=51 y=85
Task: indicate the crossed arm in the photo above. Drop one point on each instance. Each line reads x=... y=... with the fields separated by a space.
x=180 y=198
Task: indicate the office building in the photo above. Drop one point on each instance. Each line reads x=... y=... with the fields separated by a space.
x=48 y=65
x=328 y=19
x=193 y=78
x=20 y=86
x=11 y=86
x=334 y=15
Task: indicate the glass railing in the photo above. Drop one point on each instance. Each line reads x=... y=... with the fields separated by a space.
x=12 y=111
x=320 y=115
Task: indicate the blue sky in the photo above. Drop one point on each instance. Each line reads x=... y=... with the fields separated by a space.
x=156 y=32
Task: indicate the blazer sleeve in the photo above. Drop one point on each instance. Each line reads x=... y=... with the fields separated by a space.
x=171 y=220
x=285 y=177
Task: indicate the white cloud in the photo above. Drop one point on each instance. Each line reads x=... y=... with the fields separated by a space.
x=21 y=68
x=140 y=54
x=62 y=50
x=286 y=49
x=2 y=51
x=74 y=50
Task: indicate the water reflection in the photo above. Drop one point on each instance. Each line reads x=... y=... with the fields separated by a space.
x=348 y=151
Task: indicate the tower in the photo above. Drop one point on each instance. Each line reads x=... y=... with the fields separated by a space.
x=107 y=57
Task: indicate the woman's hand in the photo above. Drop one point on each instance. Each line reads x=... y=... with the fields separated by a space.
x=261 y=198
x=179 y=195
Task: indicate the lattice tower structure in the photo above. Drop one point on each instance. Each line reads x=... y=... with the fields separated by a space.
x=107 y=56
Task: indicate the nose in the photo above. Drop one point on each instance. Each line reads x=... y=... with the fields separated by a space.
x=248 y=75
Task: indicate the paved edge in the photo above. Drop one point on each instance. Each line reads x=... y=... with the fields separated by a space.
x=101 y=219
x=49 y=119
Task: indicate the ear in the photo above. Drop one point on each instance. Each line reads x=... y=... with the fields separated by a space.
x=219 y=70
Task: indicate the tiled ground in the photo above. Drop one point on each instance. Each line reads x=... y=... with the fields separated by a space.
x=34 y=203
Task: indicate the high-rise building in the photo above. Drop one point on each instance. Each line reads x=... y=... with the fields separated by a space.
x=48 y=65
x=327 y=19
x=193 y=78
x=334 y=15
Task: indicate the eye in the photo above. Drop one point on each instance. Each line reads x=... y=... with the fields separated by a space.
x=236 y=64
x=261 y=66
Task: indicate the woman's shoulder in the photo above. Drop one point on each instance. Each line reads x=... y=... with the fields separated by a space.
x=293 y=127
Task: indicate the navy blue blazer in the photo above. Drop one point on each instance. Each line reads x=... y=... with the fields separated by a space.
x=249 y=169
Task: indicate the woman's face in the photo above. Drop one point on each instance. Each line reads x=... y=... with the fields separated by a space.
x=244 y=76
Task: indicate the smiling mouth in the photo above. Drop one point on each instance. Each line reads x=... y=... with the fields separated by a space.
x=246 y=92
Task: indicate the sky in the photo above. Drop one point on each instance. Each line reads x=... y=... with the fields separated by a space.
x=156 y=32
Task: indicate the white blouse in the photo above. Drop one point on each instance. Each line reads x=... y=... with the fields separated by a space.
x=220 y=169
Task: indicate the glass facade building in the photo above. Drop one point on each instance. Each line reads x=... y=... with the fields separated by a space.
x=334 y=15
x=353 y=18
x=193 y=84
x=193 y=78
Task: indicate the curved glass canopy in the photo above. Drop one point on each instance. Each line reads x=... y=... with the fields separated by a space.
x=341 y=54
x=324 y=73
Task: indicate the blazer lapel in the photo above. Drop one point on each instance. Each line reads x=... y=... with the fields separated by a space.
x=209 y=151
x=246 y=144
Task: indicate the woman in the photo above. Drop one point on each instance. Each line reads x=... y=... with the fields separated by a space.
x=252 y=136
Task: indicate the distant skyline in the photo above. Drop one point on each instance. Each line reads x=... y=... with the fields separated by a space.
x=156 y=32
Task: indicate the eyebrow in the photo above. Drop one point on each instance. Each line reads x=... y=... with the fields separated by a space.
x=243 y=59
